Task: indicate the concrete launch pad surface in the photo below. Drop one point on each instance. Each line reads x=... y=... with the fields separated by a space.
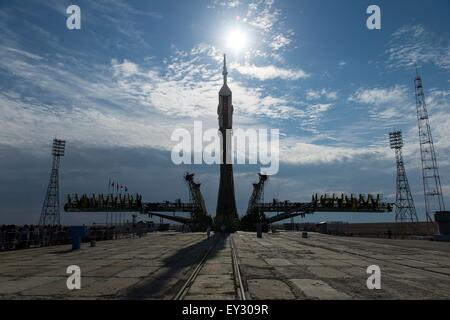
x=152 y=267
x=279 y=266
x=284 y=265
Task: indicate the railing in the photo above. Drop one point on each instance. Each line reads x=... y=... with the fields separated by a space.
x=124 y=203
x=329 y=204
x=16 y=239
x=102 y=202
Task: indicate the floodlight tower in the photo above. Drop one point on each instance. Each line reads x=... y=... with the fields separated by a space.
x=405 y=210
x=50 y=209
x=434 y=201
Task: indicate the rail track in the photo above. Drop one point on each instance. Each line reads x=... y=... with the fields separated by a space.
x=239 y=288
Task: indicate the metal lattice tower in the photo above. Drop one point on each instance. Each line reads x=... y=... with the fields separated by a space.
x=431 y=180
x=257 y=195
x=405 y=210
x=50 y=214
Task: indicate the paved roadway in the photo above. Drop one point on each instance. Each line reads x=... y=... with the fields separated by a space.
x=278 y=266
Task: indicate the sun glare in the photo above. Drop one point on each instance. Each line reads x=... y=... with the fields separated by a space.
x=236 y=40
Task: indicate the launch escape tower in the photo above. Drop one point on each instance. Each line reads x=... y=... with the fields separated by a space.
x=226 y=213
x=50 y=214
x=434 y=201
x=405 y=210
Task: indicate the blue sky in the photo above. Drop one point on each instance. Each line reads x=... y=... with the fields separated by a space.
x=137 y=70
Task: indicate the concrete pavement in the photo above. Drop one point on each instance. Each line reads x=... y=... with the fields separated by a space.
x=286 y=266
x=278 y=266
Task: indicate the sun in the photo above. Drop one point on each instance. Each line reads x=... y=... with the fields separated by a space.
x=237 y=40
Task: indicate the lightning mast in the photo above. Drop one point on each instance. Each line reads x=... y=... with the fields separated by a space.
x=434 y=201
x=50 y=214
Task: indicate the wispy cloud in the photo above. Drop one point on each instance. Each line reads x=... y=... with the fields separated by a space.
x=266 y=23
x=224 y=3
x=270 y=72
x=188 y=86
x=413 y=44
x=123 y=103
x=323 y=93
x=300 y=152
x=388 y=107
x=280 y=41
x=379 y=96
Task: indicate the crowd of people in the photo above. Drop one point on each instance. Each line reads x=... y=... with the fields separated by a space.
x=14 y=237
x=103 y=201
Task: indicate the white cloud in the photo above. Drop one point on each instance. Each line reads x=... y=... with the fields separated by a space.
x=126 y=68
x=24 y=53
x=30 y=123
x=317 y=94
x=302 y=153
x=189 y=84
x=320 y=107
x=224 y=3
x=124 y=103
x=262 y=16
x=269 y=72
x=279 y=41
x=379 y=96
x=269 y=30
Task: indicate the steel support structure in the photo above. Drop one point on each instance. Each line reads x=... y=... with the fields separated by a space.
x=50 y=214
x=405 y=210
x=431 y=181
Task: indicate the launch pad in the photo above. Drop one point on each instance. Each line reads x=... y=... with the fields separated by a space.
x=282 y=265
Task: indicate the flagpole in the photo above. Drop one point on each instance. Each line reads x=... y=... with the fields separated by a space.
x=117 y=195
x=112 y=198
x=107 y=213
x=111 y=191
x=121 y=213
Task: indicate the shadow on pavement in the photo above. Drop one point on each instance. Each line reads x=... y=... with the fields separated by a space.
x=167 y=281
